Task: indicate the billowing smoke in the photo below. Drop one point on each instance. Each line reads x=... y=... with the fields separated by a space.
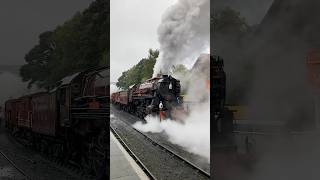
x=11 y=86
x=184 y=33
x=278 y=90
x=194 y=133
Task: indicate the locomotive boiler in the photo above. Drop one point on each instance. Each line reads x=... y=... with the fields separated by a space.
x=157 y=94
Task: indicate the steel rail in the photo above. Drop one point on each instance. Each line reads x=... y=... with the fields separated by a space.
x=15 y=166
x=131 y=153
x=198 y=169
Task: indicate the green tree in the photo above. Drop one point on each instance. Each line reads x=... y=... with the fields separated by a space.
x=179 y=69
x=38 y=59
x=229 y=21
x=230 y=39
x=139 y=72
x=79 y=44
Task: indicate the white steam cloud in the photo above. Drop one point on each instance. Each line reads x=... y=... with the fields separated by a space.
x=184 y=33
x=11 y=86
x=193 y=134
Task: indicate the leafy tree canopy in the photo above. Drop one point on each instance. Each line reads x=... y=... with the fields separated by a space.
x=179 y=69
x=229 y=21
x=139 y=72
x=78 y=44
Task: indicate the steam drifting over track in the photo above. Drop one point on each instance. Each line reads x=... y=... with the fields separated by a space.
x=166 y=164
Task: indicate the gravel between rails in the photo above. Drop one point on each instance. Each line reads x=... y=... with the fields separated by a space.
x=8 y=170
x=162 y=139
x=159 y=162
x=33 y=164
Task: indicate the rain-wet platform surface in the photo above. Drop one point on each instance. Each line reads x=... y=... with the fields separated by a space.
x=122 y=166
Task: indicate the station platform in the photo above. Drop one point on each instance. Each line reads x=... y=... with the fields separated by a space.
x=122 y=165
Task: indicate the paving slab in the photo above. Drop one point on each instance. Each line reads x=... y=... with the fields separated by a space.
x=122 y=165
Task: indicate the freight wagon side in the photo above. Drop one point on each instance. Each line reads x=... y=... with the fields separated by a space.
x=11 y=114
x=8 y=113
x=25 y=112
x=44 y=114
x=120 y=97
x=113 y=97
x=123 y=97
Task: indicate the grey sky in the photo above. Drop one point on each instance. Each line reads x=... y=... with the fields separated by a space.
x=133 y=30
x=22 y=21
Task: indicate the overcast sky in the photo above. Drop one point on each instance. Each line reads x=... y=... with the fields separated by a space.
x=21 y=21
x=133 y=30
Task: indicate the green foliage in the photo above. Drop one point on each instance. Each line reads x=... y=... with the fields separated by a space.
x=229 y=21
x=139 y=72
x=78 y=44
x=179 y=69
x=230 y=39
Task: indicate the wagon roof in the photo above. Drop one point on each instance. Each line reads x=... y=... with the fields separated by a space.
x=152 y=79
x=120 y=91
x=68 y=79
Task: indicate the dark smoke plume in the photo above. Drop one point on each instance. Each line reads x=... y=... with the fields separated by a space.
x=184 y=33
x=279 y=91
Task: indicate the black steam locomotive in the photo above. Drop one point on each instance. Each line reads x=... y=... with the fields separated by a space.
x=152 y=96
x=69 y=122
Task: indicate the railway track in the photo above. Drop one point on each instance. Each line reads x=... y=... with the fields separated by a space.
x=131 y=153
x=170 y=152
x=201 y=171
x=26 y=177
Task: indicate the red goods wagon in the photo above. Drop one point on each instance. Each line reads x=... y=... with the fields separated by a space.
x=11 y=113
x=123 y=97
x=114 y=97
x=313 y=65
x=120 y=97
x=25 y=112
x=44 y=113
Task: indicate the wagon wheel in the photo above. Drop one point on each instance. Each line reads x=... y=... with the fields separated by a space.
x=85 y=165
x=94 y=161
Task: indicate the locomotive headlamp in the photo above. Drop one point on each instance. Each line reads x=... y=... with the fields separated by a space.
x=170 y=85
x=178 y=100
x=160 y=105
